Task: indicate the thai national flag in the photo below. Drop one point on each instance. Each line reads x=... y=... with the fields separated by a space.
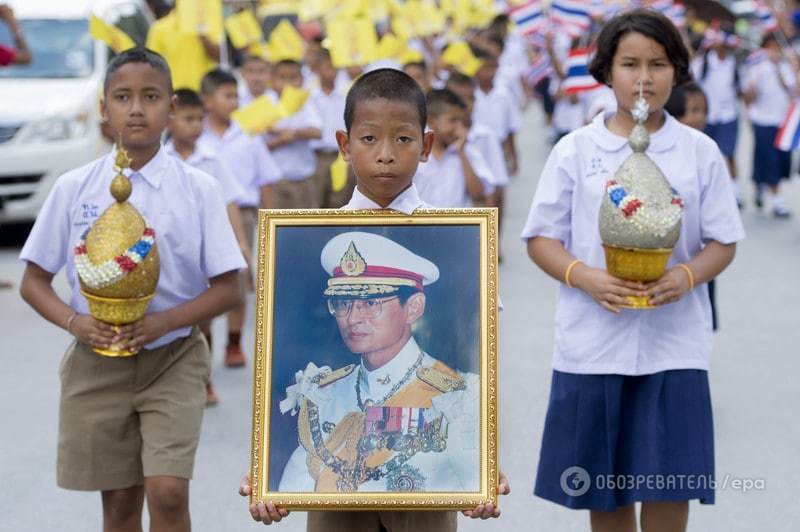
x=755 y=58
x=572 y=15
x=766 y=19
x=788 y=137
x=540 y=69
x=677 y=14
x=578 y=78
x=528 y=17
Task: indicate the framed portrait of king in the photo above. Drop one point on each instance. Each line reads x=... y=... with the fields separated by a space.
x=375 y=379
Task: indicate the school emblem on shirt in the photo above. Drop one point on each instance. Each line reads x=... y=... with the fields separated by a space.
x=596 y=167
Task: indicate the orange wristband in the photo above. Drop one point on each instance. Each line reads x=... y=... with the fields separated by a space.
x=688 y=271
x=569 y=271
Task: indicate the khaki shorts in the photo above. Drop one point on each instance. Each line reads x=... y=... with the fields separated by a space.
x=422 y=521
x=293 y=194
x=249 y=216
x=124 y=419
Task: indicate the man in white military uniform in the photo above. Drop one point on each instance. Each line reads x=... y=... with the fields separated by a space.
x=398 y=419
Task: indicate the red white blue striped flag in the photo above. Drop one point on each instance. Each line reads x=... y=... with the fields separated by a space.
x=528 y=17
x=578 y=78
x=574 y=16
x=788 y=137
x=766 y=19
x=540 y=69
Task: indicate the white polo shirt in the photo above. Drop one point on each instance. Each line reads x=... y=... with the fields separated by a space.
x=441 y=182
x=497 y=111
x=247 y=157
x=184 y=206
x=772 y=100
x=203 y=159
x=296 y=160
x=330 y=109
x=588 y=338
x=720 y=86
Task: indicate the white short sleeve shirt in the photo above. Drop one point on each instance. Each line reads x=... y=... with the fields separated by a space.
x=772 y=99
x=588 y=338
x=203 y=159
x=184 y=206
x=297 y=160
x=441 y=182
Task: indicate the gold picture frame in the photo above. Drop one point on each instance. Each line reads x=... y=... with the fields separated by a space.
x=298 y=235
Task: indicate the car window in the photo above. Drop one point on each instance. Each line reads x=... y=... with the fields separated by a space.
x=59 y=49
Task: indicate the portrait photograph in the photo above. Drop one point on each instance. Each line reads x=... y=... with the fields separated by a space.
x=375 y=373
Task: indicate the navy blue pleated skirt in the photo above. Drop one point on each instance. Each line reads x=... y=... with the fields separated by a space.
x=612 y=440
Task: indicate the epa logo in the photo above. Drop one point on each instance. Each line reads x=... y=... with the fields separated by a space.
x=575 y=481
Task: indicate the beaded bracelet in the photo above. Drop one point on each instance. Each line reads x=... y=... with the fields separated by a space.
x=688 y=271
x=569 y=271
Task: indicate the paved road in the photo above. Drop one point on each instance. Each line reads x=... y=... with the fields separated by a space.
x=754 y=387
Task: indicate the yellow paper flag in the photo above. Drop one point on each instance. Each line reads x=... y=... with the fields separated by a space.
x=243 y=29
x=351 y=41
x=285 y=43
x=200 y=17
x=292 y=100
x=338 y=174
x=459 y=55
x=115 y=38
x=259 y=115
x=390 y=47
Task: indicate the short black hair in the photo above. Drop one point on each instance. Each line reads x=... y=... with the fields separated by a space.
x=187 y=98
x=138 y=54
x=291 y=62
x=215 y=79
x=676 y=105
x=387 y=83
x=440 y=99
x=459 y=78
x=651 y=24
x=482 y=53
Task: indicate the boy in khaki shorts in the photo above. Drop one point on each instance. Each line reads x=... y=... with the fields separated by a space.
x=129 y=427
x=384 y=141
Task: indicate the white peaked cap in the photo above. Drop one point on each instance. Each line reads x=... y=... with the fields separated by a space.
x=369 y=265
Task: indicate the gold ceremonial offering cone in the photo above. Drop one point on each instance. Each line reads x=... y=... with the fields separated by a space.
x=117 y=260
x=640 y=217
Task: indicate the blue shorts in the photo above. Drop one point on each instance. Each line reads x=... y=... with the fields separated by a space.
x=725 y=136
x=613 y=440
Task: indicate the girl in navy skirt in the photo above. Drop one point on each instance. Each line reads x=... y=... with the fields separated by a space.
x=629 y=417
x=771 y=88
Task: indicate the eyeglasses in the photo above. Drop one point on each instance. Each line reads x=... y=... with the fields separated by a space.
x=369 y=308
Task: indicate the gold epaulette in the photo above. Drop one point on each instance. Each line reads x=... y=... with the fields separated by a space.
x=334 y=376
x=440 y=380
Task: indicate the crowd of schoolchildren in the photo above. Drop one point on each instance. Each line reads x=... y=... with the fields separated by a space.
x=605 y=391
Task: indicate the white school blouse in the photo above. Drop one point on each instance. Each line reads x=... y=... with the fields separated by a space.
x=772 y=100
x=588 y=338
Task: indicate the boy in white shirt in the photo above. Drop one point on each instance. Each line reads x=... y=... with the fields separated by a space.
x=185 y=127
x=455 y=174
x=289 y=141
x=251 y=164
x=129 y=426
x=255 y=72
x=329 y=104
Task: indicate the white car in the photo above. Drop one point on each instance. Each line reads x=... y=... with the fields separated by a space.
x=49 y=109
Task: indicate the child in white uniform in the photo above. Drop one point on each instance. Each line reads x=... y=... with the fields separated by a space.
x=630 y=392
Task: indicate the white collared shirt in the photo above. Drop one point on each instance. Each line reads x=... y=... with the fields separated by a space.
x=184 y=206
x=247 y=157
x=496 y=110
x=330 y=107
x=719 y=85
x=406 y=202
x=588 y=338
x=772 y=100
x=296 y=160
x=203 y=159
x=441 y=182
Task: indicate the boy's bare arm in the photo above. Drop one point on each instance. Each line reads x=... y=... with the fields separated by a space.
x=281 y=137
x=221 y=296
x=37 y=290
x=510 y=146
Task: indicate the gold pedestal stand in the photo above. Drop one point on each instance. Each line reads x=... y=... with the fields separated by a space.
x=639 y=265
x=116 y=312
